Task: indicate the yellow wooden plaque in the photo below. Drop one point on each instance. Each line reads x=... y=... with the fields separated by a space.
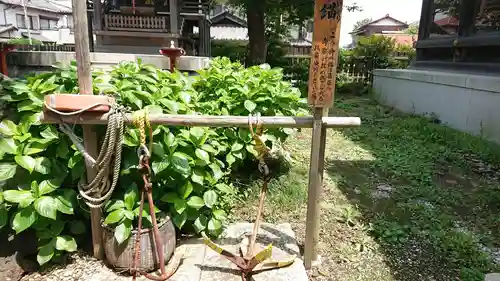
x=324 y=54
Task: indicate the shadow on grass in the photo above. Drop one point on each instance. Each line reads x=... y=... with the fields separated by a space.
x=429 y=204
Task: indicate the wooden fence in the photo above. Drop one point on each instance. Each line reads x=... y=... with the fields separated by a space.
x=356 y=69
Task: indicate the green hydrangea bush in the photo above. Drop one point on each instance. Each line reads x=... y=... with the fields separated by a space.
x=40 y=167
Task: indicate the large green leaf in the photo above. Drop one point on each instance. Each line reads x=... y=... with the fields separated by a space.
x=236 y=147
x=46 y=252
x=180 y=219
x=123 y=230
x=160 y=166
x=46 y=206
x=225 y=188
x=200 y=223
x=18 y=196
x=179 y=205
x=230 y=159
x=23 y=219
x=180 y=163
x=195 y=202
x=8 y=128
x=186 y=190
x=196 y=134
x=26 y=162
x=217 y=172
x=250 y=105
x=29 y=119
x=198 y=176
x=172 y=106
x=49 y=133
x=8 y=145
x=114 y=204
x=28 y=105
x=65 y=243
x=210 y=198
x=43 y=165
x=47 y=186
x=215 y=227
x=219 y=214
x=7 y=171
x=203 y=156
x=131 y=196
x=158 y=149
x=66 y=202
x=34 y=147
x=169 y=197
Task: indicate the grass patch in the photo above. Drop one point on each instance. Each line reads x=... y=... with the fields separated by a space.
x=405 y=198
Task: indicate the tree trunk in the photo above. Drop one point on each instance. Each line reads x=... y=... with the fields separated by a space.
x=257 y=43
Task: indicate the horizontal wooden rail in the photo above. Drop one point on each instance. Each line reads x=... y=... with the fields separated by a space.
x=208 y=120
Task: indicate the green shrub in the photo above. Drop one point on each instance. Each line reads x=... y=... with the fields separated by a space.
x=234 y=50
x=40 y=169
x=24 y=41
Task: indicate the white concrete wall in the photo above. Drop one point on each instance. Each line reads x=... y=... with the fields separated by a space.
x=466 y=102
x=103 y=60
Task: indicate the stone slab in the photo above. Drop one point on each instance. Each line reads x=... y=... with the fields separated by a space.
x=199 y=263
x=492 y=277
x=284 y=244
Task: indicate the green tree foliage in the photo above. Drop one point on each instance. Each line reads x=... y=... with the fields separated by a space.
x=360 y=23
x=449 y=7
x=374 y=46
x=277 y=13
x=412 y=29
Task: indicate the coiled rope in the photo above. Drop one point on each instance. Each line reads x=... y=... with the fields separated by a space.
x=107 y=164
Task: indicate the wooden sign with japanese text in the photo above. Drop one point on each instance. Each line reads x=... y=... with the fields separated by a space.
x=324 y=54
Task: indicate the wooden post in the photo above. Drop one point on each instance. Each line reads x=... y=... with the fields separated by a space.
x=85 y=87
x=174 y=17
x=97 y=15
x=322 y=72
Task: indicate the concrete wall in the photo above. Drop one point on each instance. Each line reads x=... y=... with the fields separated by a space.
x=22 y=63
x=469 y=103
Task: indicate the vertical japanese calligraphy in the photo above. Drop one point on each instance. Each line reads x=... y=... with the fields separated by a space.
x=323 y=68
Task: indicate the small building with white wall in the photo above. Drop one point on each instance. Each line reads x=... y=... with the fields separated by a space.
x=47 y=21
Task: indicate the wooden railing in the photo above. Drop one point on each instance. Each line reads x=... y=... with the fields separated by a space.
x=135 y=23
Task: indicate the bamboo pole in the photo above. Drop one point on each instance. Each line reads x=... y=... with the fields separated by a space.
x=82 y=54
x=208 y=120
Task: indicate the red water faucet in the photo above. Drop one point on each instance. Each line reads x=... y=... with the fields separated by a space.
x=172 y=53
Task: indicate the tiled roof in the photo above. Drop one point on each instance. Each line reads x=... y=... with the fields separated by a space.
x=43 y=5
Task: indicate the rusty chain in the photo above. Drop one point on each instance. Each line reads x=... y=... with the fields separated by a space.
x=144 y=154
